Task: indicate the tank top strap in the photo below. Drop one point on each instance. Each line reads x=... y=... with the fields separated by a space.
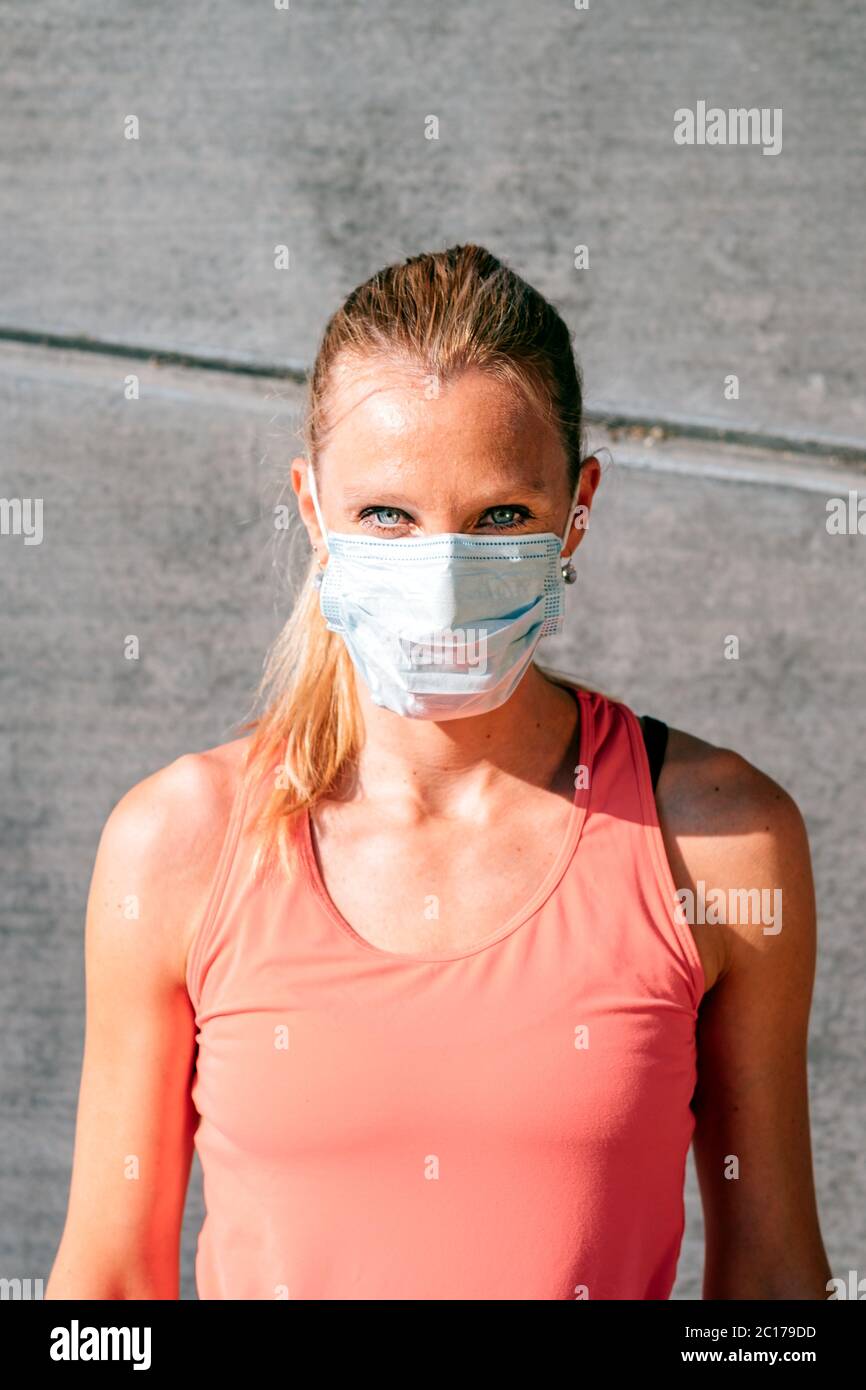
x=627 y=758
x=245 y=798
x=623 y=833
x=655 y=737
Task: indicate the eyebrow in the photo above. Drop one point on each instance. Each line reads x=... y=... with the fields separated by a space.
x=535 y=486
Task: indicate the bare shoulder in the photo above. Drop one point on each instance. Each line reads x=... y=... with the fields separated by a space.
x=162 y=840
x=176 y=810
x=708 y=789
x=732 y=829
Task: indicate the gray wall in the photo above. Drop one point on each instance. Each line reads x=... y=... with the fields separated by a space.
x=307 y=128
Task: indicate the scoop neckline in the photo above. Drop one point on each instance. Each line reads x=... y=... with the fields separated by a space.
x=551 y=880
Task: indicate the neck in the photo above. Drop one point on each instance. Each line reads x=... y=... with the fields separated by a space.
x=421 y=767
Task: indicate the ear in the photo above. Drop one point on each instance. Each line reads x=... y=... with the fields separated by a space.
x=590 y=477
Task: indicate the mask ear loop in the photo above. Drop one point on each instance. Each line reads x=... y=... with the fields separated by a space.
x=311 y=478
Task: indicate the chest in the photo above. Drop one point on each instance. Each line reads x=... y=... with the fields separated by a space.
x=449 y=886
x=550 y=1039
x=443 y=885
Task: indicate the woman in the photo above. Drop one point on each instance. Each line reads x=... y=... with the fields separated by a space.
x=414 y=965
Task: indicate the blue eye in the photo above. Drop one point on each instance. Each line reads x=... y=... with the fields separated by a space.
x=387 y=516
x=506 y=517
x=382 y=518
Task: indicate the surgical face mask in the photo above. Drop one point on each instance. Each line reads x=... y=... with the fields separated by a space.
x=442 y=626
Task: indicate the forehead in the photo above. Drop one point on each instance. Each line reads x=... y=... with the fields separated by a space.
x=399 y=410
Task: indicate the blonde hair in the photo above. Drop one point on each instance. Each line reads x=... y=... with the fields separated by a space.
x=440 y=313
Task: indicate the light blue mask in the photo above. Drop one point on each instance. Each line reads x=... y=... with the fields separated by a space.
x=443 y=626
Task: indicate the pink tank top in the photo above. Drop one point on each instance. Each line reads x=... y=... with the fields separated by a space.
x=510 y=1121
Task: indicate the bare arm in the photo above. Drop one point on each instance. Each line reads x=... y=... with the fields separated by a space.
x=736 y=828
x=135 y=1123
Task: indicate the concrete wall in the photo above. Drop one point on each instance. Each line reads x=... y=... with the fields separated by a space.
x=306 y=128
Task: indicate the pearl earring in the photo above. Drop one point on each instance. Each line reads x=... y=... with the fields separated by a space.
x=569 y=573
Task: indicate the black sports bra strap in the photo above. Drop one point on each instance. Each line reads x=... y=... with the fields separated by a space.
x=655 y=737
